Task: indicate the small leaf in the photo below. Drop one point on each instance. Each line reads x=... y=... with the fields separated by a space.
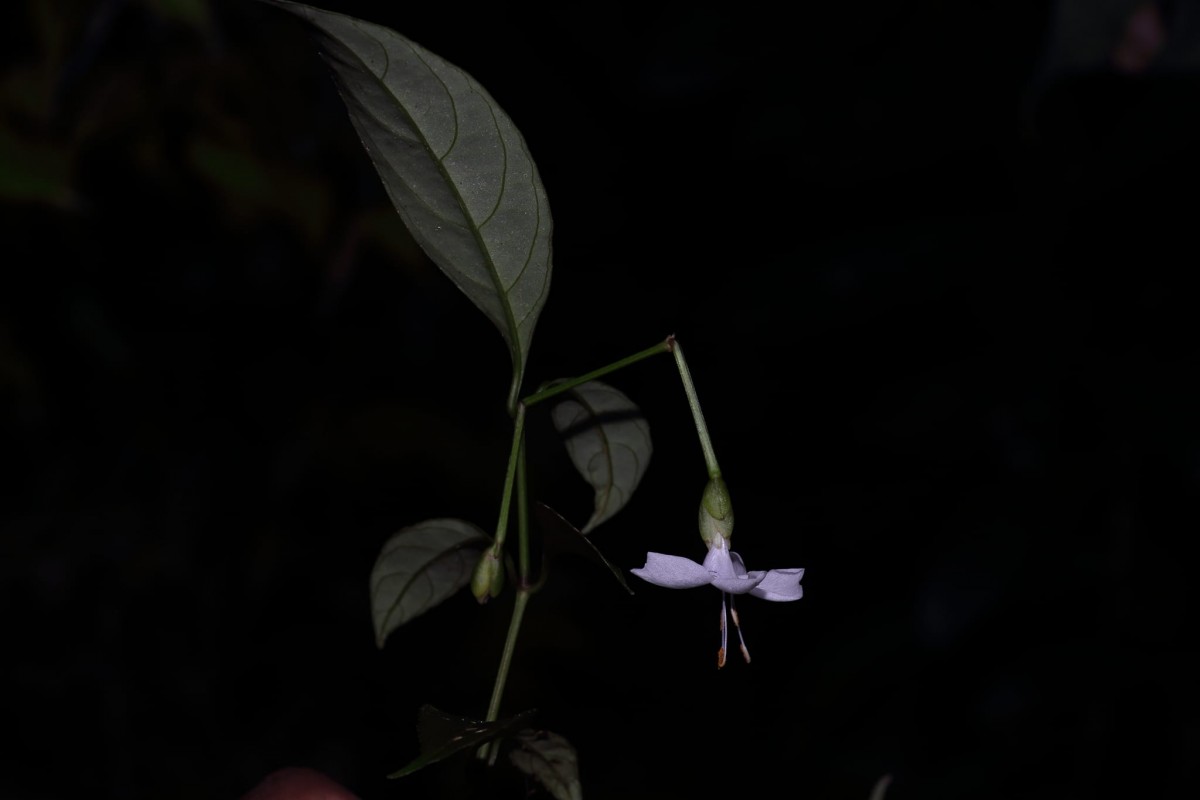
x=608 y=440
x=442 y=735
x=455 y=166
x=563 y=537
x=419 y=567
x=551 y=759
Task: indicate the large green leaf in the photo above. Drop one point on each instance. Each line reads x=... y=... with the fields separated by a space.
x=608 y=440
x=456 y=167
x=551 y=759
x=419 y=567
x=442 y=735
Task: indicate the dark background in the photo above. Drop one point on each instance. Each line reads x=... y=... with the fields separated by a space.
x=932 y=264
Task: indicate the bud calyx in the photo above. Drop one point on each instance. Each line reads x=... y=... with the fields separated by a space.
x=716 y=512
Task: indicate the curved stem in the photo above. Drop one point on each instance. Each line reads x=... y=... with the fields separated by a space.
x=710 y=456
x=558 y=388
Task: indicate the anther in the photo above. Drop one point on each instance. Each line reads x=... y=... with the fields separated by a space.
x=737 y=624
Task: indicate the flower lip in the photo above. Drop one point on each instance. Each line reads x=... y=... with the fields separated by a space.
x=723 y=569
x=726 y=575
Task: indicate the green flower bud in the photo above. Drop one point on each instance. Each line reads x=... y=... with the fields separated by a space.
x=716 y=512
x=488 y=578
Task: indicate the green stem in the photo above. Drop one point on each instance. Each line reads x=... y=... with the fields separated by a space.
x=522 y=520
x=514 y=392
x=558 y=388
x=516 y=474
x=510 y=646
x=516 y=463
x=506 y=499
x=710 y=456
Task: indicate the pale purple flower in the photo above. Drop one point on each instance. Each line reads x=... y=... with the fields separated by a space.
x=725 y=570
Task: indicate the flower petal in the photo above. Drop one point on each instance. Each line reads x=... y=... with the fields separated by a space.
x=673 y=572
x=780 y=585
x=719 y=562
x=726 y=566
x=737 y=585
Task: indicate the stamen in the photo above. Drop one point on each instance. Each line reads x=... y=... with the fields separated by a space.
x=724 y=635
x=737 y=624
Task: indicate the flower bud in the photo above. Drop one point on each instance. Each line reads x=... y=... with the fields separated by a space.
x=716 y=512
x=488 y=578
